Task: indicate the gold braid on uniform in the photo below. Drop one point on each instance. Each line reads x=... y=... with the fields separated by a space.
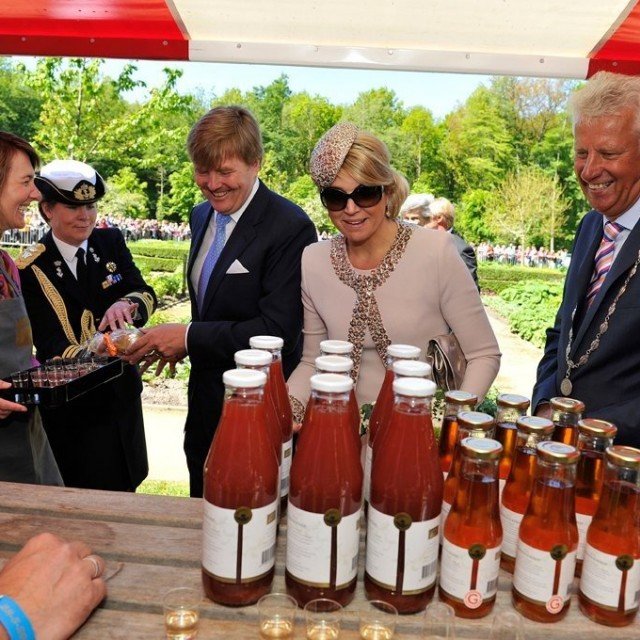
x=56 y=302
x=144 y=298
x=366 y=314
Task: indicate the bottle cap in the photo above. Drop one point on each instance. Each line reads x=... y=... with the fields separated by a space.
x=336 y=347
x=413 y=368
x=557 y=452
x=535 y=424
x=333 y=364
x=513 y=400
x=403 y=351
x=476 y=421
x=567 y=405
x=418 y=387
x=244 y=378
x=266 y=342
x=460 y=397
x=481 y=448
x=623 y=456
x=252 y=357
x=595 y=428
x=331 y=382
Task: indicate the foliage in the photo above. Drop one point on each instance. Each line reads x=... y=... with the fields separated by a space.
x=166 y=284
x=125 y=196
x=160 y=248
x=494 y=277
x=164 y=488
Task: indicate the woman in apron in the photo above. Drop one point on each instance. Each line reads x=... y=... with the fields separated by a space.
x=25 y=454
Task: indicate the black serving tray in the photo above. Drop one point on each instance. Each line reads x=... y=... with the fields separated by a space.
x=55 y=396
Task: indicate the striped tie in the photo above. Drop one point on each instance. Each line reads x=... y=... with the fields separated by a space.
x=604 y=259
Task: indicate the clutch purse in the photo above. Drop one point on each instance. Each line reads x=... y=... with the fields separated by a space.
x=447 y=361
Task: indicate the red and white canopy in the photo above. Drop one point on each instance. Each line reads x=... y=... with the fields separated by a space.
x=554 y=38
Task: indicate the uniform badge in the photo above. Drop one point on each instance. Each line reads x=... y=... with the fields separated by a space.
x=58 y=265
x=111 y=267
x=29 y=255
x=94 y=255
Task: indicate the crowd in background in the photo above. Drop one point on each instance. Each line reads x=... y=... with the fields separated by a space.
x=512 y=254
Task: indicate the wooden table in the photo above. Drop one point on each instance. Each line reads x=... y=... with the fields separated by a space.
x=158 y=540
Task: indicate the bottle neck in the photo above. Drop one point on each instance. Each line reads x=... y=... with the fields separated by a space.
x=412 y=404
x=237 y=395
x=527 y=442
x=476 y=470
x=509 y=414
x=562 y=476
x=454 y=408
x=565 y=418
x=587 y=442
x=475 y=431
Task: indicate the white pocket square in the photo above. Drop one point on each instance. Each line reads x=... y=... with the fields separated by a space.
x=237 y=267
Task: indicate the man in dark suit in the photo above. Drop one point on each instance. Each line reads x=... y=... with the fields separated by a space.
x=243 y=273
x=76 y=280
x=592 y=352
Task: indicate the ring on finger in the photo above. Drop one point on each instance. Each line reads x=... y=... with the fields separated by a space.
x=97 y=569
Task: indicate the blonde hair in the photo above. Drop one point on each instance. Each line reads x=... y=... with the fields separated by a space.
x=368 y=162
x=223 y=133
x=606 y=94
x=444 y=209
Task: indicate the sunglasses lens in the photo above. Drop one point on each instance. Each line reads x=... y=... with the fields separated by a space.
x=334 y=199
x=363 y=196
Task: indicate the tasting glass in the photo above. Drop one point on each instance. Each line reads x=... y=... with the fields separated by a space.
x=71 y=369
x=39 y=377
x=277 y=613
x=323 y=617
x=181 y=608
x=378 y=620
x=507 y=626
x=55 y=372
x=439 y=621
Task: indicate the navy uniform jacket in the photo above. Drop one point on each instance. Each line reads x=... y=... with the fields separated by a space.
x=609 y=383
x=98 y=439
x=258 y=295
x=467 y=254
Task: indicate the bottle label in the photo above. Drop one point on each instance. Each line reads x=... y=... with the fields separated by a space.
x=501 y=485
x=402 y=554
x=510 y=521
x=368 y=457
x=322 y=548
x=285 y=469
x=583 y=521
x=544 y=576
x=446 y=507
x=469 y=574
x=611 y=581
x=239 y=545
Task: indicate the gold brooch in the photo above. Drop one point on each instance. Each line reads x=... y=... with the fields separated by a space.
x=85 y=192
x=111 y=267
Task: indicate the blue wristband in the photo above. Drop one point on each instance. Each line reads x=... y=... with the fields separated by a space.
x=14 y=620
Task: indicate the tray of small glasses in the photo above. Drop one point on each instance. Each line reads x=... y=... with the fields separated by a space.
x=60 y=380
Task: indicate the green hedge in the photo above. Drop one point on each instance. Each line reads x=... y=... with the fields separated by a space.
x=495 y=278
x=173 y=249
x=148 y=263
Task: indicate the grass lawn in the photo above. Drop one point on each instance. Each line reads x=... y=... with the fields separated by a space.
x=164 y=488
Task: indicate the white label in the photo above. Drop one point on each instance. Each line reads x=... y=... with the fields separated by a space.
x=420 y=550
x=535 y=575
x=285 y=469
x=510 y=521
x=309 y=547
x=457 y=572
x=368 y=456
x=583 y=521
x=446 y=507
x=603 y=576
x=221 y=531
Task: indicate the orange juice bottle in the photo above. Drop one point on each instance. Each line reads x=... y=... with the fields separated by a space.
x=565 y=414
x=510 y=408
x=454 y=403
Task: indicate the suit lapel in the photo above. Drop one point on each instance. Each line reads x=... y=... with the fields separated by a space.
x=202 y=216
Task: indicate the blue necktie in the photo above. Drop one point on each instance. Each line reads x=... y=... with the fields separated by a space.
x=212 y=256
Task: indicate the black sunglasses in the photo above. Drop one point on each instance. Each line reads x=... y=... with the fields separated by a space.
x=363 y=196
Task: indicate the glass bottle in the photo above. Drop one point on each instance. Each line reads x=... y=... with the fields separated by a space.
x=280 y=395
x=565 y=414
x=401 y=369
x=325 y=498
x=510 y=408
x=454 y=402
x=336 y=348
x=548 y=537
x=406 y=497
x=471 y=424
x=343 y=365
x=472 y=534
x=517 y=491
x=241 y=496
x=594 y=437
x=610 y=583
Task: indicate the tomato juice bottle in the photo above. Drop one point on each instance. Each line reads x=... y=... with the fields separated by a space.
x=565 y=414
x=454 y=403
x=241 y=496
x=510 y=408
x=472 y=534
x=406 y=495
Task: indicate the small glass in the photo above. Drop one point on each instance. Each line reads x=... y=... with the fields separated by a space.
x=181 y=608
x=55 y=372
x=323 y=617
x=507 y=626
x=277 y=613
x=378 y=621
x=439 y=621
x=71 y=369
x=39 y=377
x=20 y=379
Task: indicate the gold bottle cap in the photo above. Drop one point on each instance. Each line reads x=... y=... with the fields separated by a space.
x=557 y=452
x=597 y=428
x=567 y=405
x=460 y=397
x=475 y=420
x=623 y=456
x=481 y=448
x=513 y=400
x=535 y=424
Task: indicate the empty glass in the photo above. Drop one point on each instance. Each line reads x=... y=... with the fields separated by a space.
x=439 y=621
x=507 y=626
x=323 y=617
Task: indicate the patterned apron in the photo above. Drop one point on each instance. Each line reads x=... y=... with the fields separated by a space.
x=25 y=454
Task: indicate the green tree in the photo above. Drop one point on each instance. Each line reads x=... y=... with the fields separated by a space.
x=20 y=105
x=125 y=196
x=377 y=111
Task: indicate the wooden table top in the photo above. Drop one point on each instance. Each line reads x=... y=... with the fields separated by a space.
x=158 y=541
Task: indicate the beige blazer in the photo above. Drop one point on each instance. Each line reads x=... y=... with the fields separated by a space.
x=428 y=291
